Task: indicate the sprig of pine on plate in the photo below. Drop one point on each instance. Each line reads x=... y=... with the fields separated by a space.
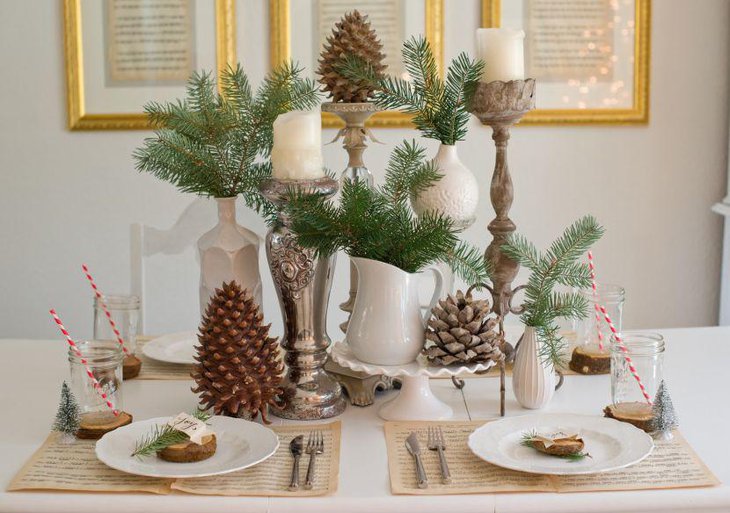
x=163 y=436
x=533 y=440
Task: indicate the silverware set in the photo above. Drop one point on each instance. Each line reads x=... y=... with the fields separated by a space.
x=436 y=443
x=314 y=447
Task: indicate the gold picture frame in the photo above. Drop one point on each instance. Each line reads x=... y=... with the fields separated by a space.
x=78 y=118
x=280 y=50
x=637 y=114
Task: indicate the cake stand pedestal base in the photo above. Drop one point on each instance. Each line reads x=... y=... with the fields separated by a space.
x=415 y=402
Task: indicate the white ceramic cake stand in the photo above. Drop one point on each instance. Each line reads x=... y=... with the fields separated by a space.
x=415 y=401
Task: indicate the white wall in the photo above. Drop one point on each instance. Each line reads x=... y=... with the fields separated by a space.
x=70 y=197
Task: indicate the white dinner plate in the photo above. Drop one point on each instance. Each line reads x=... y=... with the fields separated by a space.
x=240 y=444
x=611 y=444
x=172 y=348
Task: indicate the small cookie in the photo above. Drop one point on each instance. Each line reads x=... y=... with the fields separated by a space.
x=189 y=452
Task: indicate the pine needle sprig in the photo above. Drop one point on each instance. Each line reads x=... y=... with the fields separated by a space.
x=163 y=436
x=438 y=106
x=218 y=144
x=379 y=224
x=557 y=266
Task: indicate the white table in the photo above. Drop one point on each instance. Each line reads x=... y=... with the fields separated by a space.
x=696 y=371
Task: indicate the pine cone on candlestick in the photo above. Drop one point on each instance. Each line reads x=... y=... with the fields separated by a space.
x=462 y=332
x=352 y=36
x=238 y=371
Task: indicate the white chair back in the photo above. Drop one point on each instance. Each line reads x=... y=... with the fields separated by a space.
x=165 y=268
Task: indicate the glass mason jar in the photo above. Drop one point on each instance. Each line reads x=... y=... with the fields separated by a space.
x=104 y=358
x=646 y=351
x=610 y=297
x=125 y=312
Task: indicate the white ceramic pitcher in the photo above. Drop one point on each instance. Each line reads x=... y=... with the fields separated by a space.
x=386 y=326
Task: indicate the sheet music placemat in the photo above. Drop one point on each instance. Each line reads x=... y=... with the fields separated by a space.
x=271 y=478
x=152 y=369
x=59 y=466
x=673 y=464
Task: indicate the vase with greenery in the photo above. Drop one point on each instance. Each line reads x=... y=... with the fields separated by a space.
x=439 y=109
x=541 y=347
x=388 y=244
x=217 y=143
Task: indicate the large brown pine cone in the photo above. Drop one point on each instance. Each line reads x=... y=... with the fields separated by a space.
x=238 y=370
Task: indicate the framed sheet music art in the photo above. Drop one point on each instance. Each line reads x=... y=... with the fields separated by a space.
x=299 y=28
x=121 y=54
x=590 y=57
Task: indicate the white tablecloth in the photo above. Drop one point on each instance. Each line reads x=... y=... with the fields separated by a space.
x=696 y=371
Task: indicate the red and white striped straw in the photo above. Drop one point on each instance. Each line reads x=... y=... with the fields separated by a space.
x=85 y=363
x=624 y=349
x=592 y=267
x=100 y=298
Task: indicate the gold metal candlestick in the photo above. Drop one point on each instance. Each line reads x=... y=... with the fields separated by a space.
x=354 y=137
x=501 y=105
x=360 y=387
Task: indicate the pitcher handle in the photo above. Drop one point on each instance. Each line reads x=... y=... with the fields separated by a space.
x=438 y=289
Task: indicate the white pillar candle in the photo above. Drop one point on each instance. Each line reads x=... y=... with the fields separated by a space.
x=297 y=151
x=503 y=53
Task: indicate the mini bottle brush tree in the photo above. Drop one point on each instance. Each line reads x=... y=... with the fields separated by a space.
x=379 y=224
x=557 y=266
x=68 y=415
x=665 y=418
x=219 y=144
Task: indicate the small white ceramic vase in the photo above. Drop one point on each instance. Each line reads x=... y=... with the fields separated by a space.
x=532 y=381
x=386 y=326
x=228 y=252
x=456 y=194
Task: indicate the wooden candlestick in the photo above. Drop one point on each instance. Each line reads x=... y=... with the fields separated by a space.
x=500 y=105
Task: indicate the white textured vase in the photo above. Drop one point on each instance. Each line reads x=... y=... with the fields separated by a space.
x=228 y=252
x=456 y=194
x=386 y=326
x=532 y=381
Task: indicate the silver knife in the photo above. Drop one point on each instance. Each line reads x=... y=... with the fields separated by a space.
x=414 y=448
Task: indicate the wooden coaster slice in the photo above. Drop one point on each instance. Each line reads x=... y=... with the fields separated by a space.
x=94 y=425
x=637 y=413
x=189 y=452
x=131 y=367
x=590 y=360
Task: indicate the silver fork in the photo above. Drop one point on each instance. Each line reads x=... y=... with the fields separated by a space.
x=436 y=442
x=315 y=445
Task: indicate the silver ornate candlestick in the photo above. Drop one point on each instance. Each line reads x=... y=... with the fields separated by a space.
x=501 y=105
x=303 y=282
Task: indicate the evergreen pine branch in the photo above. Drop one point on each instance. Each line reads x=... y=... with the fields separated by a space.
x=439 y=107
x=379 y=224
x=211 y=144
x=163 y=436
x=557 y=266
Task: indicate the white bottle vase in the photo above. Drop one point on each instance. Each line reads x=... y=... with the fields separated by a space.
x=228 y=252
x=456 y=194
x=532 y=381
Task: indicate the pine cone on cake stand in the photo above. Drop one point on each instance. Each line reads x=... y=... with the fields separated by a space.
x=462 y=332
x=239 y=371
